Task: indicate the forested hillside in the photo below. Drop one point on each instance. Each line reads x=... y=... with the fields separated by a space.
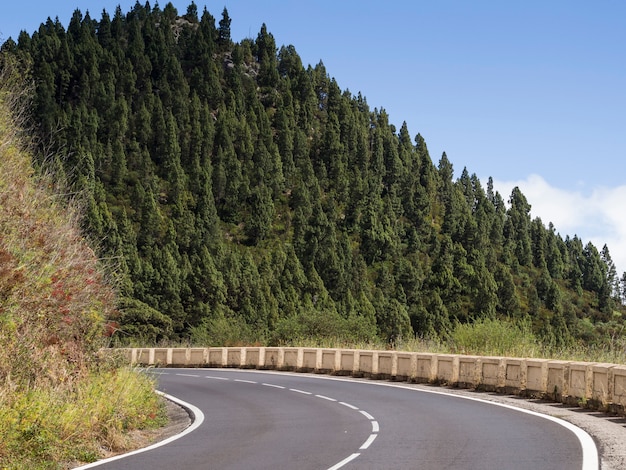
x=242 y=196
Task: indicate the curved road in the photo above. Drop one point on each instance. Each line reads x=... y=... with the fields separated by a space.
x=269 y=420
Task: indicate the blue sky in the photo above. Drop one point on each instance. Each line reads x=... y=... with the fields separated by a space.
x=531 y=93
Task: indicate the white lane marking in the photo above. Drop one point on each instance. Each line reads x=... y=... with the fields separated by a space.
x=591 y=460
x=352 y=407
x=188 y=375
x=365 y=445
x=198 y=419
x=325 y=398
x=369 y=441
x=273 y=386
x=344 y=461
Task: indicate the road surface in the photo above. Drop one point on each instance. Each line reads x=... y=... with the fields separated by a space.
x=271 y=420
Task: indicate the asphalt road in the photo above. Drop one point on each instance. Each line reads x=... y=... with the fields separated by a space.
x=268 y=420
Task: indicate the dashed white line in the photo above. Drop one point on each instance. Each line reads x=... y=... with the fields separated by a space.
x=369 y=441
x=352 y=407
x=325 y=398
x=273 y=386
x=365 y=445
x=344 y=461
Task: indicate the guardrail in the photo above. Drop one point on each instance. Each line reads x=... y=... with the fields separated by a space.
x=592 y=385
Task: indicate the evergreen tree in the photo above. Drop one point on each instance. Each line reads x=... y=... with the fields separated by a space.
x=249 y=199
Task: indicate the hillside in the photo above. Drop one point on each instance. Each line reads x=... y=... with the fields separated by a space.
x=54 y=304
x=247 y=198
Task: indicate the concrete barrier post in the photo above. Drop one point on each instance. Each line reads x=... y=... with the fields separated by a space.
x=198 y=356
x=329 y=362
x=386 y=365
x=179 y=356
x=292 y=358
x=447 y=368
x=311 y=359
x=602 y=393
x=217 y=357
x=514 y=374
x=162 y=356
x=236 y=357
x=367 y=364
x=425 y=368
x=556 y=387
x=580 y=383
x=406 y=369
x=536 y=377
x=274 y=358
x=348 y=362
x=619 y=390
x=469 y=372
x=254 y=357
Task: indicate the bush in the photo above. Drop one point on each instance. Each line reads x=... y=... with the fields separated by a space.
x=489 y=337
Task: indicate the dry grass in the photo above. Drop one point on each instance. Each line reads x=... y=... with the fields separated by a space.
x=60 y=403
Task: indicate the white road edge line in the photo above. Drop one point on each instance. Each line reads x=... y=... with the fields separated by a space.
x=369 y=441
x=344 y=461
x=591 y=460
x=198 y=419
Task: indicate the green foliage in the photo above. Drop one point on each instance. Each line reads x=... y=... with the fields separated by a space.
x=56 y=309
x=492 y=337
x=249 y=199
x=322 y=326
x=48 y=427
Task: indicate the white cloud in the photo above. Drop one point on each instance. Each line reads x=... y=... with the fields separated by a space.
x=597 y=217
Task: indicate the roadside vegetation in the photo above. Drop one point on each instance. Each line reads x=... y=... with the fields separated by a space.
x=249 y=198
x=484 y=337
x=61 y=401
x=242 y=197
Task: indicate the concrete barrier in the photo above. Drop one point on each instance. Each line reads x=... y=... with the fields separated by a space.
x=329 y=361
x=619 y=390
x=593 y=385
x=515 y=371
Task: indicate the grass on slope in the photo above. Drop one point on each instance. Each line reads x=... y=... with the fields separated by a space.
x=60 y=402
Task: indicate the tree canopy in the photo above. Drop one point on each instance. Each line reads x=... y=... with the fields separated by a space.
x=244 y=197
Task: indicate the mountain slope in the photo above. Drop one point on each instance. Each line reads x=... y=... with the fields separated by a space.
x=249 y=199
x=54 y=301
